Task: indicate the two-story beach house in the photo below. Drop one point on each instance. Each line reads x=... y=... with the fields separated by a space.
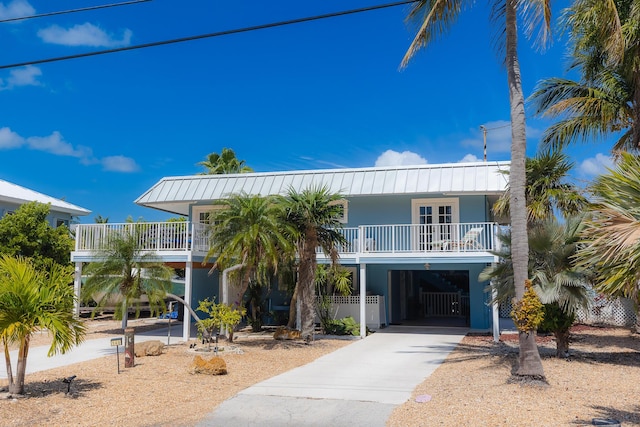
x=12 y=196
x=417 y=236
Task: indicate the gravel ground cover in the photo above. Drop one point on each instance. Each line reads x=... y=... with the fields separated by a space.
x=601 y=379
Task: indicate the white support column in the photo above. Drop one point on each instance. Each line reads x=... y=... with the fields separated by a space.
x=363 y=300
x=495 y=314
x=188 y=292
x=77 y=286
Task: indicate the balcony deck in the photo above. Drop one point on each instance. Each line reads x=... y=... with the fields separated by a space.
x=408 y=241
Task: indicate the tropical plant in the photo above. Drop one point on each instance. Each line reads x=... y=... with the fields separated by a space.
x=604 y=37
x=221 y=316
x=27 y=233
x=224 y=163
x=314 y=217
x=611 y=244
x=33 y=300
x=560 y=283
x=124 y=273
x=248 y=231
x=329 y=280
x=547 y=190
x=434 y=17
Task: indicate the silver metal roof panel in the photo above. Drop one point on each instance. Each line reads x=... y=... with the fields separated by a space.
x=174 y=194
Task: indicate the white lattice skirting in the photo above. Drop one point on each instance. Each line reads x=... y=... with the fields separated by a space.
x=614 y=312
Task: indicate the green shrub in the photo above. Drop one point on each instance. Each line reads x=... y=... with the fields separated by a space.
x=345 y=326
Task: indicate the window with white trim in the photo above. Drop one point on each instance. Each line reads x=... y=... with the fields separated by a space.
x=344 y=218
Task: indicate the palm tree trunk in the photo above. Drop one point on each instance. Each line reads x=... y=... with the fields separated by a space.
x=17 y=387
x=530 y=363
x=562 y=342
x=7 y=359
x=292 y=308
x=125 y=313
x=307 y=289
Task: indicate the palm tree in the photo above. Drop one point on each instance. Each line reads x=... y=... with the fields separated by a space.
x=546 y=189
x=125 y=273
x=606 y=101
x=314 y=215
x=224 y=163
x=611 y=237
x=560 y=283
x=248 y=231
x=34 y=300
x=434 y=18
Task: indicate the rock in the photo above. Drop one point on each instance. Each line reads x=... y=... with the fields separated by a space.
x=149 y=348
x=284 y=333
x=214 y=366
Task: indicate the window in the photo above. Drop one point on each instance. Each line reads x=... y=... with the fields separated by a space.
x=61 y=222
x=202 y=214
x=344 y=204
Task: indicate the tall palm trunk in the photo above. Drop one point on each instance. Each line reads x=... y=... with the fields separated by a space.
x=125 y=312
x=530 y=363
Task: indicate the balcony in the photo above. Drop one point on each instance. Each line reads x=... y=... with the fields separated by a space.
x=160 y=237
x=367 y=240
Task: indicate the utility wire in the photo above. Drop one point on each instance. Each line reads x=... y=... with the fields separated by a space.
x=84 y=9
x=209 y=35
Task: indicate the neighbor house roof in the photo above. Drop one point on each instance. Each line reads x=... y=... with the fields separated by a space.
x=16 y=194
x=175 y=194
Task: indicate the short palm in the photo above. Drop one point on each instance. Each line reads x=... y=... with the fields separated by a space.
x=248 y=231
x=314 y=216
x=547 y=189
x=34 y=300
x=611 y=245
x=125 y=272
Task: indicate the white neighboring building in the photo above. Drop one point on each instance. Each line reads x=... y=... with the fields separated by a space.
x=12 y=196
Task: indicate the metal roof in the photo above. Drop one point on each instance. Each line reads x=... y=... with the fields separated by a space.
x=13 y=193
x=175 y=194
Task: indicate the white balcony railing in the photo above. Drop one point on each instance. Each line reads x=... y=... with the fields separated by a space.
x=420 y=238
x=151 y=236
x=366 y=239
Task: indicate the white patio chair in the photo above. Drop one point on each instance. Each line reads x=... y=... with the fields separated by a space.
x=470 y=241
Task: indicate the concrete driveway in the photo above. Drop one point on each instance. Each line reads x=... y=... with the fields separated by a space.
x=357 y=385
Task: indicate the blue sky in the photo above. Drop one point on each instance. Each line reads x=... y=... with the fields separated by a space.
x=100 y=131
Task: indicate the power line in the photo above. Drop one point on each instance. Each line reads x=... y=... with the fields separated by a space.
x=209 y=35
x=84 y=9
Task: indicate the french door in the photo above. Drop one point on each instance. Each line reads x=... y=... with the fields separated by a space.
x=434 y=221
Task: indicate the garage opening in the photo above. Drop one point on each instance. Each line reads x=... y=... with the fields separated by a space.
x=429 y=297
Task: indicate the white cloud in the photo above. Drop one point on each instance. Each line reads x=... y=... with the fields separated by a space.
x=498 y=137
x=597 y=165
x=25 y=76
x=55 y=144
x=394 y=158
x=83 y=35
x=16 y=9
x=119 y=164
x=9 y=139
x=469 y=158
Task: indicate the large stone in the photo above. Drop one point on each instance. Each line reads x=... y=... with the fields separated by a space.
x=214 y=366
x=284 y=333
x=149 y=348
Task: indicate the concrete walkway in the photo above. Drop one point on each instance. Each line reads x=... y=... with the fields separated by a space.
x=88 y=350
x=357 y=385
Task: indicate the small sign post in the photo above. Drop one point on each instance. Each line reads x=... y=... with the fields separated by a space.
x=117 y=342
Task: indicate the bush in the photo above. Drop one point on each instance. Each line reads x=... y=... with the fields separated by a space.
x=345 y=326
